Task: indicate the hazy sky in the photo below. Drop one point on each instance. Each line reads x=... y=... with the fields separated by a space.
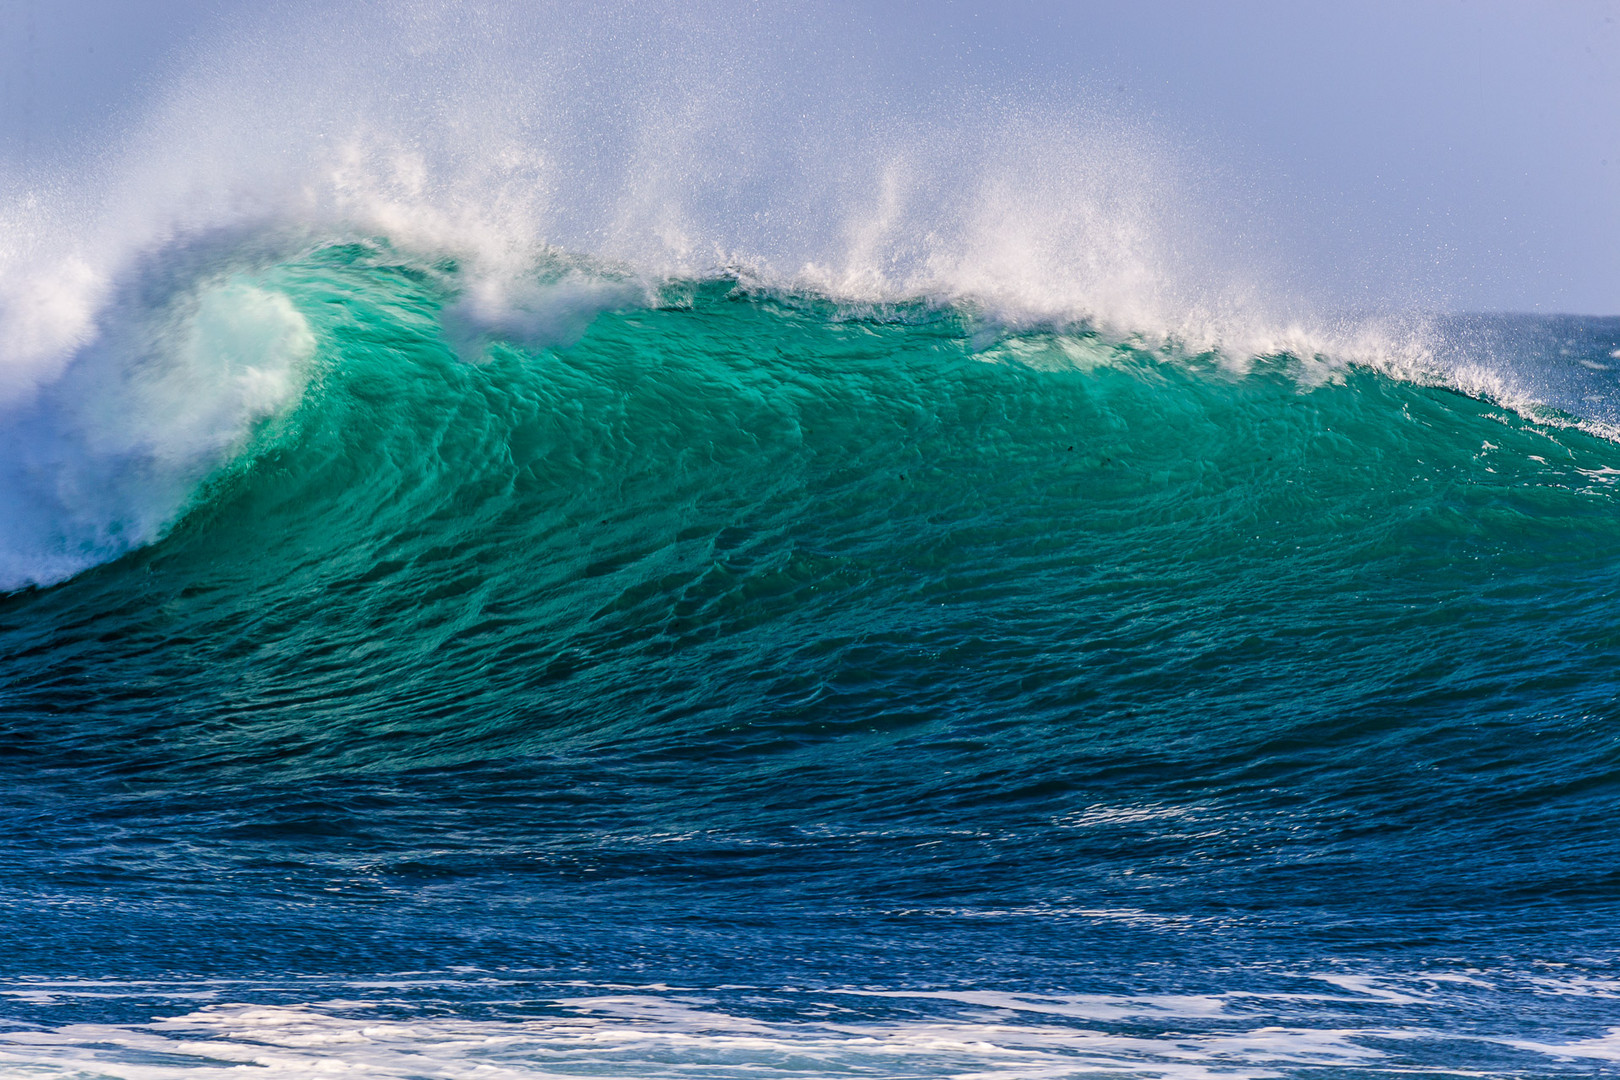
x=1471 y=146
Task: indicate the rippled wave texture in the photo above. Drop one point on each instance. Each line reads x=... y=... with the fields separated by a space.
x=745 y=639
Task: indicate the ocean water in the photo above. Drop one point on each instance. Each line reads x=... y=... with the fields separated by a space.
x=711 y=680
x=590 y=548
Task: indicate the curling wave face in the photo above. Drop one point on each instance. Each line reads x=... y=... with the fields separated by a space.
x=710 y=468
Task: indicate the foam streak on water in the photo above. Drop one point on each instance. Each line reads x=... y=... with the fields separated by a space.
x=661 y=1031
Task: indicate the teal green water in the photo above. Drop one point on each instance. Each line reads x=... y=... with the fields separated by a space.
x=736 y=640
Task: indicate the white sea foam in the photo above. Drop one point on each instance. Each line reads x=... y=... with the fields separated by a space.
x=658 y=1031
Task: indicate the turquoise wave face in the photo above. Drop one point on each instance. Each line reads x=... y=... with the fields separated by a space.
x=736 y=506
x=802 y=646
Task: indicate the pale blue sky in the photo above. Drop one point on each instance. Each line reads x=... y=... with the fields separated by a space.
x=1472 y=145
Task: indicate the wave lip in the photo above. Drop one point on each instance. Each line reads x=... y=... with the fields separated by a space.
x=106 y=457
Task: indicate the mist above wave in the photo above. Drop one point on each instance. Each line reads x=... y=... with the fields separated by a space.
x=645 y=142
x=667 y=141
